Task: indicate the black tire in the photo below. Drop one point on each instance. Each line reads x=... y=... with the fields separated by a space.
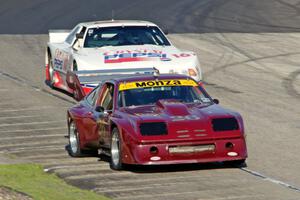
x=236 y=163
x=74 y=142
x=51 y=71
x=75 y=68
x=116 y=150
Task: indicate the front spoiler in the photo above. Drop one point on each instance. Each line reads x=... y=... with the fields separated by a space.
x=141 y=155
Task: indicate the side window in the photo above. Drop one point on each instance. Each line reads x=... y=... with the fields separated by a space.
x=106 y=97
x=71 y=36
x=92 y=97
x=120 y=99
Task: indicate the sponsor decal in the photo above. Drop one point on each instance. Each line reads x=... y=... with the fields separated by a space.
x=134 y=56
x=60 y=60
x=58 y=64
x=156 y=83
x=183 y=55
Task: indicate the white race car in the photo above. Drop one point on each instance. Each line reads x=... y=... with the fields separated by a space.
x=110 y=45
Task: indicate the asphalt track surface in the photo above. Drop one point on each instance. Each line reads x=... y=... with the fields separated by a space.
x=250 y=63
x=188 y=16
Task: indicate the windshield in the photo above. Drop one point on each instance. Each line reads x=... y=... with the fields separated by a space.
x=127 y=35
x=150 y=95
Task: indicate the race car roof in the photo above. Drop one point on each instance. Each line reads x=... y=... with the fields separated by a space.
x=129 y=78
x=146 y=77
x=109 y=23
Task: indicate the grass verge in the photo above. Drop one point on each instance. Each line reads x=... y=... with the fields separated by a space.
x=33 y=181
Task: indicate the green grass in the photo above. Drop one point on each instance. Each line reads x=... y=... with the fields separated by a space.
x=32 y=180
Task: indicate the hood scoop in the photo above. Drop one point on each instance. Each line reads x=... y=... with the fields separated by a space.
x=173 y=107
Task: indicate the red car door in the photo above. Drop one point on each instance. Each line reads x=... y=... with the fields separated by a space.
x=105 y=102
x=90 y=116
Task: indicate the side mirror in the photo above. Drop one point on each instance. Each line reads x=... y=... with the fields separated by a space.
x=79 y=36
x=99 y=109
x=216 y=101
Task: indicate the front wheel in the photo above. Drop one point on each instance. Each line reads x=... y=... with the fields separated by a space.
x=75 y=67
x=51 y=71
x=116 y=150
x=74 y=144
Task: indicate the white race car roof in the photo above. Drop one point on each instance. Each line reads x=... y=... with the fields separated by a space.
x=110 y=23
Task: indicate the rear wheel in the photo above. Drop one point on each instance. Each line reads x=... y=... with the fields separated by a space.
x=51 y=71
x=74 y=143
x=75 y=68
x=115 y=150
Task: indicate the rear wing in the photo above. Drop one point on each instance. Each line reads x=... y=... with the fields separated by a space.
x=58 y=36
x=79 y=81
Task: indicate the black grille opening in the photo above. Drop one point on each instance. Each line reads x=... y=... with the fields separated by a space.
x=225 y=124
x=153 y=128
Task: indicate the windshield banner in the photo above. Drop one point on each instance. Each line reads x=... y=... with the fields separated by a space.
x=156 y=83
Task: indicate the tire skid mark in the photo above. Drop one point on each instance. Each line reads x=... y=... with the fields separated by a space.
x=61 y=154
x=57 y=168
x=235 y=197
x=66 y=161
x=32 y=123
x=35 y=88
x=29 y=153
x=107 y=173
x=148 y=177
x=229 y=44
x=167 y=195
x=28 y=109
x=30 y=137
x=28 y=149
x=33 y=130
x=20 y=117
x=250 y=60
x=29 y=145
x=77 y=168
x=104 y=169
x=143 y=180
x=222 y=88
x=288 y=84
x=289 y=5
x=157 y=183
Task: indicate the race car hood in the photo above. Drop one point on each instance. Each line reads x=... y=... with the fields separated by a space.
x=167 y=59
x=183 y=121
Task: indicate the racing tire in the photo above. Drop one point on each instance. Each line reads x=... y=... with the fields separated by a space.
x=116 y=150
x=236 y=163
x=51 y=71
x=74 y=142
x=75 y=68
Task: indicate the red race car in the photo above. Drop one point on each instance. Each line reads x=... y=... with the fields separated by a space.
x=150 y=119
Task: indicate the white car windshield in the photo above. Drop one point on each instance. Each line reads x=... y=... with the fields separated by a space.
x=127 y=35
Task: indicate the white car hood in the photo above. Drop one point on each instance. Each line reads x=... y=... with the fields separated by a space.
x=164 y=58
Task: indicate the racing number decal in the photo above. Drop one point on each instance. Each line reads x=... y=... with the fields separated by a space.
x=159 y=83
x=183 y=55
